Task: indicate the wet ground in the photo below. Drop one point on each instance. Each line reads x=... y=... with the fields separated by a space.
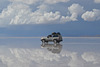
x=30 y=52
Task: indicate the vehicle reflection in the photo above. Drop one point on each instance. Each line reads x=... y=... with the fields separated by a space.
x=54 y=48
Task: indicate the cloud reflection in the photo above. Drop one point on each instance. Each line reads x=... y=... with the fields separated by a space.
x=30 y=57
x=27 y=53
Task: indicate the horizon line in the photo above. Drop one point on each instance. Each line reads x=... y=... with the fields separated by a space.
x=40 y=37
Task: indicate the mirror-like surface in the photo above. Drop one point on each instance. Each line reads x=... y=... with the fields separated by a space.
x=54 y=48
x=30 y=52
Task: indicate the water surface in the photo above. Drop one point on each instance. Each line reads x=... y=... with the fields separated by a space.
x=30 y=52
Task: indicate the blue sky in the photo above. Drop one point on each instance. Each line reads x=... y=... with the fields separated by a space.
x=27 y=18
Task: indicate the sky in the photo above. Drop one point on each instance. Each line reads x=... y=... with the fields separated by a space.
x=20 y=20
x=30 y=18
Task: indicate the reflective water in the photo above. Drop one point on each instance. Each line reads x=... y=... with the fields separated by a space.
x=30 y=52
x=54 y=48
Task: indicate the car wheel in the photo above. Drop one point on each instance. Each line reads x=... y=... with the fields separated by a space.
x=55 y=41
x=43 y=41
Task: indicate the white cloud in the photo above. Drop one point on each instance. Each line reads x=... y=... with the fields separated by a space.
x=76 y=8
x=43 y=1
x=75 y=11
x=42 y=8
x=25 y=1
x=91 y=15
x=55 y=1
x=97 y=1
x=44 y=18
x=18 y=11
x=22 y=14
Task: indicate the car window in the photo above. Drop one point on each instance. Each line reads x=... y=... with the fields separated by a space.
x=55 y=36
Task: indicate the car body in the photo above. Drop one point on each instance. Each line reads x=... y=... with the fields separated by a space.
x=51 y=38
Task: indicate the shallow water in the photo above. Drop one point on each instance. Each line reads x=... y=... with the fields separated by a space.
x=30 y=52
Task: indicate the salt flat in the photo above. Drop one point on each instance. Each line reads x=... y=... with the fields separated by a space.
x=30 y=52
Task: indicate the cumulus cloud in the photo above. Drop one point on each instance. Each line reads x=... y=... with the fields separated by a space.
x=29 y=57
x=97 y=1
x=22 y=14
x=43 y=1
x=91 y=15
x=44 y=18
x=19 y=12
x=55 y=1
x=75 y=10
x=25 y=1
